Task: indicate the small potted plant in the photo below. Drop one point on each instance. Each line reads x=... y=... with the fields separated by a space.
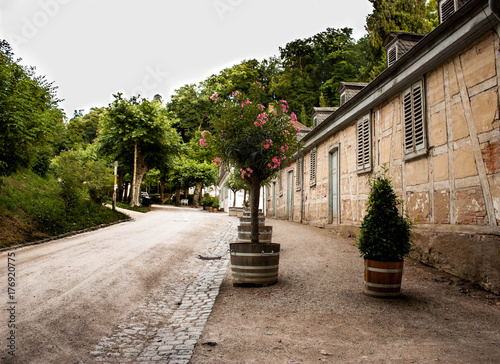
x=384 y=239
x=215 y=204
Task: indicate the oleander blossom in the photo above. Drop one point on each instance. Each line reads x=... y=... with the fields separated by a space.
x=214 y=97
x=246 y=102
x=284 y=105
x=246 y=172
x=218 y=162
x=261 y=119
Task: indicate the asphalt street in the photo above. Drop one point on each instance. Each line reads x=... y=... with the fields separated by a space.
x=72 y=292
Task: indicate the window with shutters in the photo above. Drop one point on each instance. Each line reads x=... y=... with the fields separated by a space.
x=392 y=55
x=312 y=176
x=298 y=173
x=415 y=143
x=363 y=142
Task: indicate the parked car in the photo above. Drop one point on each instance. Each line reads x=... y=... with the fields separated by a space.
x=145 y=199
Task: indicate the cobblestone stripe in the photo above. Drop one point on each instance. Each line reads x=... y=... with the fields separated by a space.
x=167 y=328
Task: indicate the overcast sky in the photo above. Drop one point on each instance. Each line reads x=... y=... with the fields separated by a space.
x=94 y=48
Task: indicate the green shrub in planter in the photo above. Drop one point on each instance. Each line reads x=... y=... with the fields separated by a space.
x=206 y=201
x=385 y=234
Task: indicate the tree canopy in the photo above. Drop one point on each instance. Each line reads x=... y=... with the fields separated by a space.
x=28 y=113
x=137 y=132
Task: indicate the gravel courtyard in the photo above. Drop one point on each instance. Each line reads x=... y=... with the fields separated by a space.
x=318 y=312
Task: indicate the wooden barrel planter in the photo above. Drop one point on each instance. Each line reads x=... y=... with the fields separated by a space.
x=247 y=215
x=383 y=279
x=248 y=220
x=254 y=264
x=245 y=233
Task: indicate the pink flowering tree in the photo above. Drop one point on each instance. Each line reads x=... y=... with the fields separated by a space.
x=256 y=139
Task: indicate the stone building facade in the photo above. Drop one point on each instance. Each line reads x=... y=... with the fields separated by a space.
x=433 y=119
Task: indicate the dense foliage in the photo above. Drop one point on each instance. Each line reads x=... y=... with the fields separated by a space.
x=33 y=208
x=29 y=116
x=138 y=134
x=385 y=233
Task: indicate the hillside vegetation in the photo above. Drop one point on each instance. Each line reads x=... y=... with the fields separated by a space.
x=32 y=208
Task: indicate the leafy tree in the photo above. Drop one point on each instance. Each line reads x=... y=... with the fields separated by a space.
x=412 y=16
x=190 y=109
x=28 y=113
x=139 y=134
x=81 y=173
x=235 y=183
x=313 y=68
x=82 y=130
x=252 y=139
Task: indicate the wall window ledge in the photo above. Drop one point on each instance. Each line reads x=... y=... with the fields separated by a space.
x=415 y=155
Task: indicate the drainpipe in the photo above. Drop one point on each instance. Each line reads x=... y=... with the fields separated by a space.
x=301 y=187
x=495 y=8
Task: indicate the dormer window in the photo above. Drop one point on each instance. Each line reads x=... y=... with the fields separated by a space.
x=446 y=9
x=449 y=7
x=398 y=44
x=347 y=90
x=320 y=114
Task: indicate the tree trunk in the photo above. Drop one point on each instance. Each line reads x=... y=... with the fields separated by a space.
x=120 y=186
x=197 y=190
x=234 y=202
x=162 y=190
x=254 y=208
x=244 y=197
x=132 y=201
x=178 y=194
x=141 y=169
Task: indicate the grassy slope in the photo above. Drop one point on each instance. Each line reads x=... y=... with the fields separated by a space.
x=31 y=209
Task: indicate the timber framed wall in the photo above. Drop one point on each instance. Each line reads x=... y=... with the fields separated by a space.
x=449 y=181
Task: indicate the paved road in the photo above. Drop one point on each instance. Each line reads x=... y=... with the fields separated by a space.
x=132 y=291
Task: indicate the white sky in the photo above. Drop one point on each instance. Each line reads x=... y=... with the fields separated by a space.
x=92 y=49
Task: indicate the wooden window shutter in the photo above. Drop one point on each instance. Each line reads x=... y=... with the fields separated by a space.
x=413 y=110
x=312 y=181
x=343 y=99
x=364 y=144
x=392 y=55
x=446 y=9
